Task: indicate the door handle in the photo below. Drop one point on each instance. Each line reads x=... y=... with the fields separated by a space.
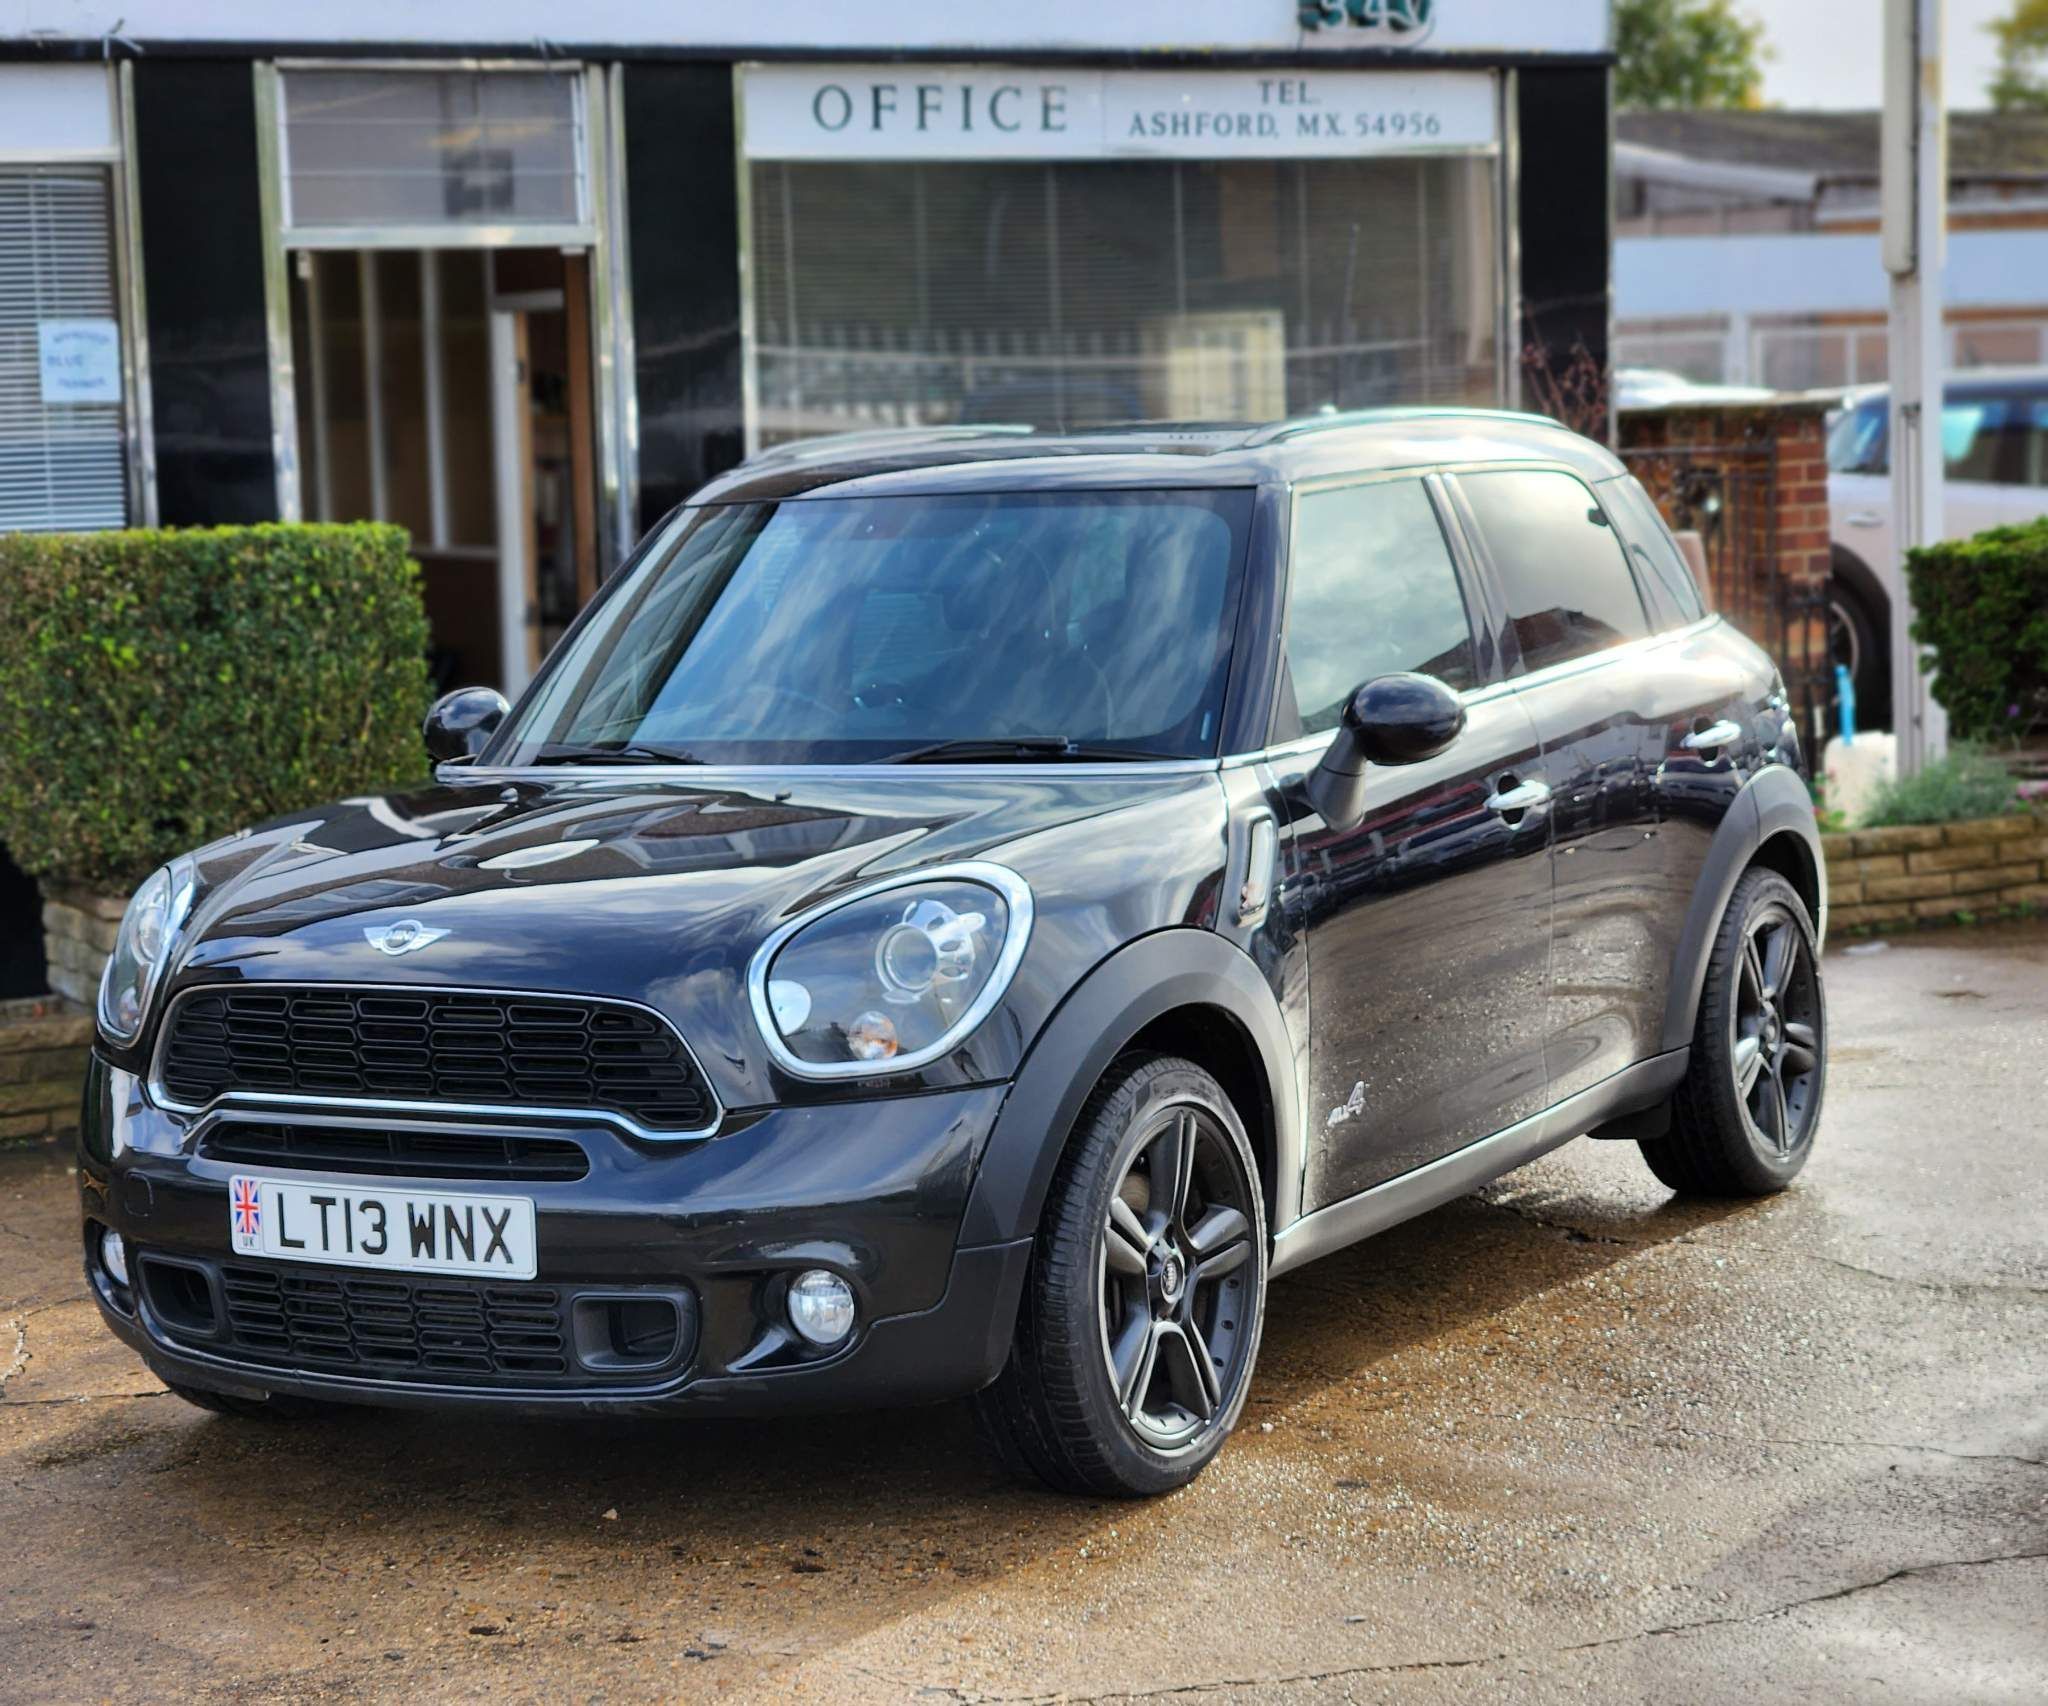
x=1723 y=733
x=1522 y=797
x=1864 y=518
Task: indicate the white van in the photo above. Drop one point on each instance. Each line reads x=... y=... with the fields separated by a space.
x=1994 y=431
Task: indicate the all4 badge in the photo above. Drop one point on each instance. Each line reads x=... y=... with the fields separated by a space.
x=1348 y=1109
x=1386 y=23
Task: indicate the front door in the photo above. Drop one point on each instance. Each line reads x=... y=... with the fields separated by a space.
x=452 y=391
x=1428 y=925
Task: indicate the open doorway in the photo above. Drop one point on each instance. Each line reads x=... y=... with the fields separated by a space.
x=451 y=391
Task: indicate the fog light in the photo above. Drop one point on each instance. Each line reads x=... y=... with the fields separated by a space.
x=820 y=1307
x=114 y=1257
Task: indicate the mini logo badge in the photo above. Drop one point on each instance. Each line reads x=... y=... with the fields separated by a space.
x=407 y=936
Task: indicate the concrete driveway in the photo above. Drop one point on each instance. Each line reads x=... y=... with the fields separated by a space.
x=1563 y=1440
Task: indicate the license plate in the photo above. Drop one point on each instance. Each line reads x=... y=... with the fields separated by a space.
x=418 y=1232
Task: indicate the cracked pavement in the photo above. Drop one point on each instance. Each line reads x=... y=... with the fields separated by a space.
x=1562 y=1440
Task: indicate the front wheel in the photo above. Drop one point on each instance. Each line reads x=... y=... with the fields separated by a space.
x=1141 y=1319
x=1744 y=1117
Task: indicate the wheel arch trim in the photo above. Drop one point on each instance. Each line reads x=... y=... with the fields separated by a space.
x=1773 y=805
x=1147 y=980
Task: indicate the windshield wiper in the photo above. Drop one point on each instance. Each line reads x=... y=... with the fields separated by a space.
x=633 y=752
x=1025 y=749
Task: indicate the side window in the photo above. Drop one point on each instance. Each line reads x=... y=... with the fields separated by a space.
x=2034 y=454
x=1371 y=591
x=1569 y=589
x=1663 y=565
x=1974 y=432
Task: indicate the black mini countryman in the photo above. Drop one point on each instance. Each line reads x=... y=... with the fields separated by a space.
x=957 y=916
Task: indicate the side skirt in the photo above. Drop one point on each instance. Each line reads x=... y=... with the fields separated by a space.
x=1640 y=1086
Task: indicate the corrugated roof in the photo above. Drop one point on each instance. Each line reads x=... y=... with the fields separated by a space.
x=1838 y=144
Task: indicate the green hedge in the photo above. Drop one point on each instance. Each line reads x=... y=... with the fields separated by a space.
x=161 y=688
x=1982 y=604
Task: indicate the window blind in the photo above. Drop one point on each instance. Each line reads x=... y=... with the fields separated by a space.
x=1069 y=294
x=63 y=465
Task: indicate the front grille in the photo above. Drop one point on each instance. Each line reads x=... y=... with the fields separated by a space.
x=394 y=1327
x=434 y=1046
x=397 y=1151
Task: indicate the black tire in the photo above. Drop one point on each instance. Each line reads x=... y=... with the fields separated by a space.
x=276 y=1407
x=1056 y=1411
x=1744 y=1117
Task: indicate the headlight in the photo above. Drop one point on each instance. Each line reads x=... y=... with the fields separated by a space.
x=148 y=929
x=893 y=976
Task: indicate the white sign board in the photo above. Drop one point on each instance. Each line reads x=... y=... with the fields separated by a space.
x=80 y=360
x=911 y=112
x=56 y=112
x=1479 y=27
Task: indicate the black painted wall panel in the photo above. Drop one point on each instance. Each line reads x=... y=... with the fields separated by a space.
x=682 y=206
x=202 y=254
x=1566 y=214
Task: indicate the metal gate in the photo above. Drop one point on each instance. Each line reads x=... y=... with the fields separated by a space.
x=1727 y=493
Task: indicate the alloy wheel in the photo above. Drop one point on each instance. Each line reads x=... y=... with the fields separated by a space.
x=1178 y=1279
x=1777 y=1031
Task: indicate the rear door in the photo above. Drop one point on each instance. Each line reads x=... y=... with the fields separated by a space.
x=1428 y=925
x=1642 y=739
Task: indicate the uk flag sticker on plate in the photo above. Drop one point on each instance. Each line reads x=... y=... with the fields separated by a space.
x=381 y=1226
x=246 y=1215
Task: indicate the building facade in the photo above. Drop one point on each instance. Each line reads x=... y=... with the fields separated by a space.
x=521 y=295
x=1748 y=253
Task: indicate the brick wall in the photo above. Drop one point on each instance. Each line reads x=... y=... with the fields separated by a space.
x=1752 y=480
x=1805 y=550
x=43 y=1045
x=1934 y=871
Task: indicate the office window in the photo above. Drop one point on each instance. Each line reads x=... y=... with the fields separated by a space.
x=1078 y=293
x=381 y=149
x=63 y=451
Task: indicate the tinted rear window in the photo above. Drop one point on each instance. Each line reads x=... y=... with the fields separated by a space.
x=1568 y=585
x=1665 y=571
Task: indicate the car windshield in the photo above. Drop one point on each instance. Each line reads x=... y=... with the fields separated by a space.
x=850 y=630
x=1857 y=439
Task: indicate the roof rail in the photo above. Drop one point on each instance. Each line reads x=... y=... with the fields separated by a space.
x=1340 y=420
x=827 y=445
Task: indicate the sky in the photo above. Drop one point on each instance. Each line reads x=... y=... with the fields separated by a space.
x=1829 y=52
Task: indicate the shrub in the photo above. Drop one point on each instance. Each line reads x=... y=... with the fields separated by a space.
x=161 y=688
x=1970 y=782
x=1982 y=605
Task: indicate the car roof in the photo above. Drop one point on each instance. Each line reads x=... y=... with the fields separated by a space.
x=995 y=458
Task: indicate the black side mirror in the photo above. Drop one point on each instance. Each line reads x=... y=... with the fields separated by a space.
x=1392 y=719
x=459 y=725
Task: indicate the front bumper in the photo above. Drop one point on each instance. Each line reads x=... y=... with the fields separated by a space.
x=873 y=1190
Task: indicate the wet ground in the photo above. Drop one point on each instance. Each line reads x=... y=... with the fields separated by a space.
x=1563 y=1440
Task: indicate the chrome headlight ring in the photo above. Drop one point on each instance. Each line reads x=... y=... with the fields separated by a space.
x=143 y=947
x=927 y=901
